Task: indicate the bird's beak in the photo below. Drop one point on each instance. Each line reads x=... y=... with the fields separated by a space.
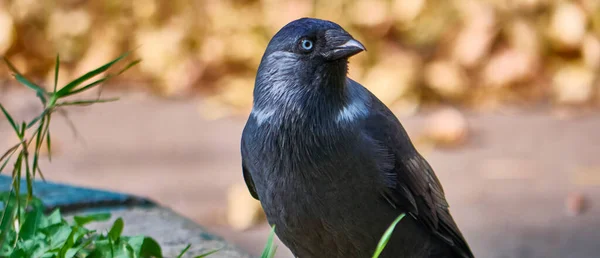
x=346 y=48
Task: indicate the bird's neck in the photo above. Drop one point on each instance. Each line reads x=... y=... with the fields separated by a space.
x=313 y=96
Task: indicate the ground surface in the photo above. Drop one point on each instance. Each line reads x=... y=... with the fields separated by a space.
x=507 y=187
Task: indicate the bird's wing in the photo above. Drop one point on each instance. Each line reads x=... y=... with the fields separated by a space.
x=249 y=182
x=247 y=175
x=411 y=182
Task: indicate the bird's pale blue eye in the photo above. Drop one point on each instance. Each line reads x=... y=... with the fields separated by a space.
x=307 y=44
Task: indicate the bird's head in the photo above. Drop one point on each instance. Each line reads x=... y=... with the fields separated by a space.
x=306 y=59
x=315 y=40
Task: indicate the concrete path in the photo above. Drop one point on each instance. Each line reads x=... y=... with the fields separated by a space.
x=507 y=187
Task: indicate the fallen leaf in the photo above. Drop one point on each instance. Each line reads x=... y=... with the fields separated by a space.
x=575 y=204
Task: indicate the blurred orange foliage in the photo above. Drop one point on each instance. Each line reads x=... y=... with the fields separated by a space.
x=474 y=53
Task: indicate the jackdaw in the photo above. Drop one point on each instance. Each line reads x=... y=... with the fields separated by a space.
x=330 y=163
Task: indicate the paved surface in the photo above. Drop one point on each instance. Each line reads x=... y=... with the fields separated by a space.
x=507 y=186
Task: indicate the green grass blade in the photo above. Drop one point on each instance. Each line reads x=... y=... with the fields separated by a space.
x=16 y=176
x=40 y=93
x=272 y=252
x=87 y=87
x=70 y=123
x=10 y=119
x=131 y=64
x=99 y=81
x=8 y=154
x=184 y=250
x=36 y=119
x=17 y=173
x=11 y=66
x=71 y=86
x=23 y=127
x=28 y=179
x=35 y=166
x=49 y=143
x=38 y=144
x=28 y=173
x=29 y=84
x=207 y=254
x=269 y=250
x=25 y=154
x=86 y=102
x=8 y=216
x=6 y=162
x=386 y=236
x=39 y=138
x=56 y=72
x=41 y=174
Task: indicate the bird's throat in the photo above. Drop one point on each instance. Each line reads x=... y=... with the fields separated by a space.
x=316 y=97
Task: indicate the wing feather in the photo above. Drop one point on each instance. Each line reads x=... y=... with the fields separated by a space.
x=412 y=183
x=246 y=173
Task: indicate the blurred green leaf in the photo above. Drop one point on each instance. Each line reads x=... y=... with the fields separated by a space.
x=19 y=254
x=102 y=249
x=29 y=229
x=79 y=249
x=68 y=243
x=58 y=234
x=83 y=220
x=122 y=250
x=116 y=229
x=136 y=243
x=150 y=248
x=54 y=218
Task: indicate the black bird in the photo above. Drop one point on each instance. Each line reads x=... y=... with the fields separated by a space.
x=330 y=164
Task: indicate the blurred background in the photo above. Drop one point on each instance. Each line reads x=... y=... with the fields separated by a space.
x=501 y=96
